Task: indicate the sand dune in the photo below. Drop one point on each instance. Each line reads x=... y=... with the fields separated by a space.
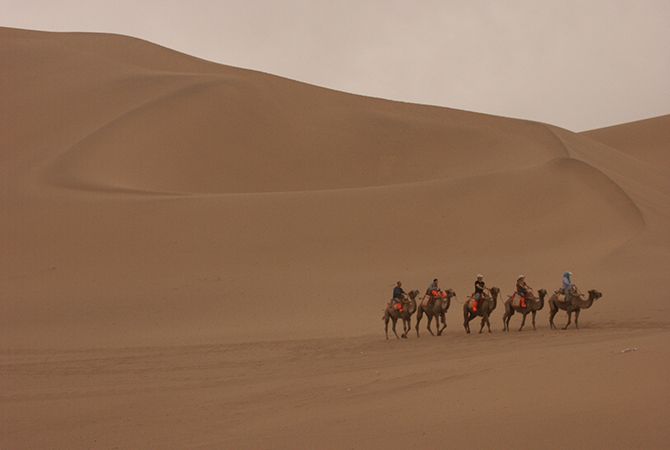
x=196 y=255
x=646 y=140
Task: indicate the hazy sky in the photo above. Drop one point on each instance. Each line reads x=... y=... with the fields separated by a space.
x=578 y=64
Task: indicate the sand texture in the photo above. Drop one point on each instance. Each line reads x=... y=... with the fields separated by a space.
x=199 y=256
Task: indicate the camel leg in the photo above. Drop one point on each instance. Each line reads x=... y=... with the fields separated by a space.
x=444 y=325
x=534 y=329
x=437 y=324
x=485 y=320
x=466 y=322
x=430 y=319
x=394 y=332
x=552 y=313
x=419 y=316
x=406 y=326
x=523 y=321
x=509 y=313
x=569 y=320
x=577 y=318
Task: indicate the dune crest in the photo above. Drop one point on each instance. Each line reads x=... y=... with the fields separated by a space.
x=646 y=140
x=222 y=135
x=150 y=119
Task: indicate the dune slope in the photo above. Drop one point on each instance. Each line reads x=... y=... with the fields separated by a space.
x=150 y=180
x=214 y=170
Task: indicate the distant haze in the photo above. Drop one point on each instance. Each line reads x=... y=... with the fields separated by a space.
x=576 y=64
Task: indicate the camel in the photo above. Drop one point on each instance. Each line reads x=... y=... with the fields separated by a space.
x=533 y=305
x=486 y=307
x=409 y=308
x=438 y=309
x=576 y=304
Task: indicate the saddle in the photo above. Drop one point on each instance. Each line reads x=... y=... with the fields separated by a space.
x=396 y=306
x=561 y=297
x=473 y=305
x=428 y=300
x=430 y=297
x=518 y=301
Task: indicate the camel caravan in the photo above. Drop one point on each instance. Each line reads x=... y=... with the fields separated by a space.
x=435 y=303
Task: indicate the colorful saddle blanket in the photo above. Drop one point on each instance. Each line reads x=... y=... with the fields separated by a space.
x=429 y=300
x=516 y=300
x=396 y=306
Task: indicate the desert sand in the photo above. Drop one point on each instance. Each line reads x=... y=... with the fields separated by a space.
x=198 y=256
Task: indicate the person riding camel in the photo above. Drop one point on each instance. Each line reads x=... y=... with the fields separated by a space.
x=480 y=286
x=434 y=291
x=522 y=289
x=399 y=295
x=567 y=285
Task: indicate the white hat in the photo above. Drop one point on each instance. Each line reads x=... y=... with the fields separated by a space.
x=480 y=275
x=520 y=277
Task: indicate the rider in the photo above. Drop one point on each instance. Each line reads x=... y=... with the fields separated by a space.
x=567 y=285
x=398 y=295
x=522 y=289
x=479 y=290
x=434 y=291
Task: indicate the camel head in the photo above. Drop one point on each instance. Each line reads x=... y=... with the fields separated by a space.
x=495 y=291
x=450 y=293
x=412 y=301
x=595 y=294
x=542 y=293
